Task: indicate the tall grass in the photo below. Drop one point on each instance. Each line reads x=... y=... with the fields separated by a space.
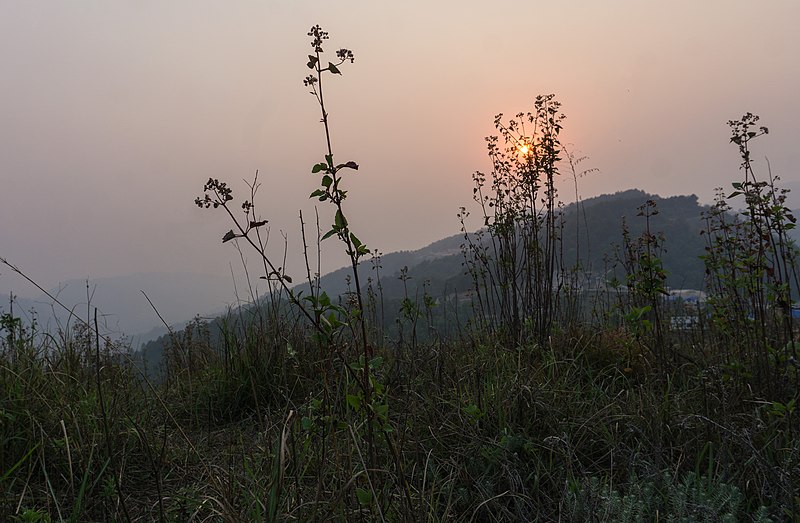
x=482 y=431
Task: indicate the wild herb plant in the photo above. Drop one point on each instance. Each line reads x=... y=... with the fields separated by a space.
x=645 y=279
x=751 y=265
x=330 y=320
x=516 y=272
x=577 y=276
x=331 y=191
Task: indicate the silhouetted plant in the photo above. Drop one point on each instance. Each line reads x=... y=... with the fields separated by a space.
x=516 y=272
x=645 y=280
x=330 y=320
x=332 y=192
x=751 y=265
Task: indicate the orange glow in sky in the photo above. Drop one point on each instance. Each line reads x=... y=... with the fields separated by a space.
x=103 y=102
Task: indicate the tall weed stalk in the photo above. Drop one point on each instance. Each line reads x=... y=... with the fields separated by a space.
x=515 y=269
x=751 y=267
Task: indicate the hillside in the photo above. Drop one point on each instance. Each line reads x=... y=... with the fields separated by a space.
x=594 y=227
x=592 y=231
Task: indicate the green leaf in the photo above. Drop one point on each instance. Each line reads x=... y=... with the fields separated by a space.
x=333 y=321
x=329 y=234
x=327 y=181
x=332 y=68
x=355 y=240
x=348 y=165
x=473 y=411
x=377 y=385
x=318 y=192
x=382 y=411
x=364 y=496
x=354 y=401
x=329 y=160
x=319 y=167
x=324 y=299
x=229 y=236
x=339 y=219
x=312 y=61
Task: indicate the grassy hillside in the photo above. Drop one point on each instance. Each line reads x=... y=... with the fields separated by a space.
x=265 y=423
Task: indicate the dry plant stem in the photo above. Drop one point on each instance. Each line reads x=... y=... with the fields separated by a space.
x=319 y=250
x=171 y=332
x=261 y=242
x=155 y=466
x=69 y=456
x=115 y=472
x=367 y=474
x=305 y=256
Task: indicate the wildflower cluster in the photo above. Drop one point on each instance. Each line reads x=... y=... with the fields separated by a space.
x=221 y=191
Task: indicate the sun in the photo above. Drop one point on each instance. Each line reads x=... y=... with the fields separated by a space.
x=524 y=149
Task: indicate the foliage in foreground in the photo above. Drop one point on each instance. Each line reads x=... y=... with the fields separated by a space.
x=470 y=430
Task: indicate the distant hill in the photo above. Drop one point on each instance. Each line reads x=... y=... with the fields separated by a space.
x=439 y=254
x=591 y=230
x=593 y=227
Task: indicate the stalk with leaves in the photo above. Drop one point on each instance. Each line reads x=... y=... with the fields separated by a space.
x=516 y=270
x=751 y=264
x=329 y=320
x=331 y=191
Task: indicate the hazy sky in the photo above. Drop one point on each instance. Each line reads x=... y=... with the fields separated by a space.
x=113 y=114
